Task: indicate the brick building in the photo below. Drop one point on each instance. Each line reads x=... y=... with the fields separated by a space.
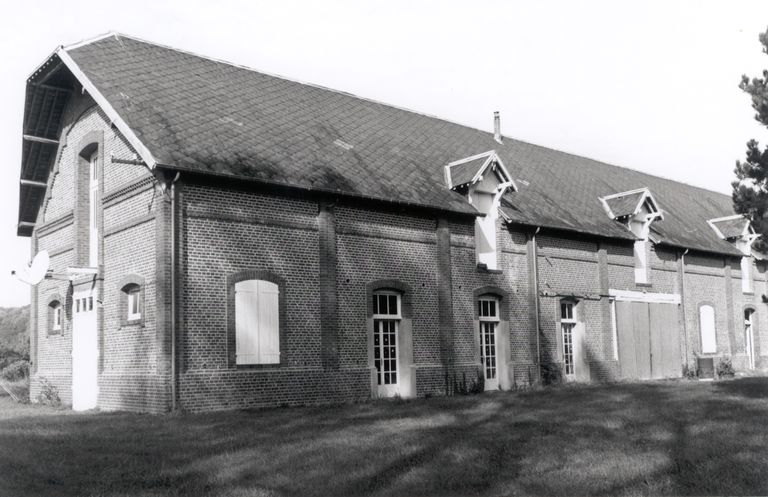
x=223 y=238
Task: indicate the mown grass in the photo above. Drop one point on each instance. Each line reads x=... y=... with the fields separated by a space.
x=662 y=438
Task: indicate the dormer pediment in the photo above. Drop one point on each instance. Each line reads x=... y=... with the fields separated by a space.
x=630 y=204
x=736 y=229
x=731 y=227
x=475 y=169
x=637 y=209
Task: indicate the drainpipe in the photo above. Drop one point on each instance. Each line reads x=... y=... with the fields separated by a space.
x=682 y=302
x=174 y=369
x=536 y=301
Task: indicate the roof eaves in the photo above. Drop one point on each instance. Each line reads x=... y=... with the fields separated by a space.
x=114 y=117
x=468 y=209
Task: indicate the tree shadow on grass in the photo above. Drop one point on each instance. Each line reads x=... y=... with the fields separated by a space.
x=664 y=438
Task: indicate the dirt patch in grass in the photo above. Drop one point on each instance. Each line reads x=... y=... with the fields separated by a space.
x=662 y=438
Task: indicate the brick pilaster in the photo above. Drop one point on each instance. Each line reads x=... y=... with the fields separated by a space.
x=329 y=320
x=444 y=291
x=605 y=305
x=729 y=307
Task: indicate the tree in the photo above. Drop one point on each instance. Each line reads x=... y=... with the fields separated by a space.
x=750 y=189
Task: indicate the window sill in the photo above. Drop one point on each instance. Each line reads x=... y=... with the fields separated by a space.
x=259 y=366
x=132 y=322
x=748 y=293
x=482 y=268
x=644 y=285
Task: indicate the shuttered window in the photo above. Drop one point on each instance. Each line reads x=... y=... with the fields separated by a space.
x=707 y=328
x=257 y=322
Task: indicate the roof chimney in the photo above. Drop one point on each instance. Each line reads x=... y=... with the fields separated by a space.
x=496 y=126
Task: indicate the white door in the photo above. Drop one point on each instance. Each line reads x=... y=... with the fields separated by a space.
x=574 y=356
x=488 y=314
x=85 y=351
x=749 y=337
x=386 y=356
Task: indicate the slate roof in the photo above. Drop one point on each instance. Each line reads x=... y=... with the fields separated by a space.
x=198 y=114
x=464 y=172
x=624 y=205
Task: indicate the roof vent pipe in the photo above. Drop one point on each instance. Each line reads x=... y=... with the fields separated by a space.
x=496 y=126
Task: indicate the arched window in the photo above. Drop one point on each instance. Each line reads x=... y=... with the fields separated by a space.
x=257 y=322
x=488 y=315
x=131 y=300
x=567 y=326
x=707 y=329
x=387 y=314
x=133 y=308
x=55 y=317
x=749 y=336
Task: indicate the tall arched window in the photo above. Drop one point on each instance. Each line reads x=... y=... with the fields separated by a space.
x=707 y=329
x=488 y=315
x=567 y=327
x=387 y=314
x=749 y=336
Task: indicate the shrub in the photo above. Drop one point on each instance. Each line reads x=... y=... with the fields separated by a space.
x=49 y=394
x=725 y=368
x=16 y=371
x=456 y=386
x=551 y=373
x=689 y=372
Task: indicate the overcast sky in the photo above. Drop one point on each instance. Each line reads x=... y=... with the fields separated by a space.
x=651 y=86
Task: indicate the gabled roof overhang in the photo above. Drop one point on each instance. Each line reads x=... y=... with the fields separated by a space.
x=48 y=91
x=628 y=204
x=471 y=170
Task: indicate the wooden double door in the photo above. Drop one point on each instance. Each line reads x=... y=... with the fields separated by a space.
x=648 y=340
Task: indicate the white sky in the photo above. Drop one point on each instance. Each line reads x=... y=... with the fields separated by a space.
x=646 y=85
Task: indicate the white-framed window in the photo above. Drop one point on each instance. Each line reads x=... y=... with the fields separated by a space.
x=749 y=337
x=641 y=261
x=746 y=275
x=93 y=201
x=387 y=314
x=567 y=325
x=707 y=329
x=257 y=322
x=614 y=330
x=55 y=309
x=488 y=315
x=133 y=307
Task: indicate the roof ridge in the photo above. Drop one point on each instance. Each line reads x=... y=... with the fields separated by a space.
x=644 y=173
x=286 y=78
x=378 y=102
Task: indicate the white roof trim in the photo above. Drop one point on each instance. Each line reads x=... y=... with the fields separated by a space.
x=490 y=157
x=88 y=41
x=631 y=296
x=111 y=113
x=747 y=229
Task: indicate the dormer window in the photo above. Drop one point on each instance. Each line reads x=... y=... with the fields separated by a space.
x=738 y=231
x=483 y=178
x=637 y=210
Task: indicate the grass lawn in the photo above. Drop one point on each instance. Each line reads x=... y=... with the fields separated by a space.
x=680 y=438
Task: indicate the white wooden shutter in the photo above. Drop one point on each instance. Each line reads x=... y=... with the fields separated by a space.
x=246 y=322
x=707 y=324
x=269 y=323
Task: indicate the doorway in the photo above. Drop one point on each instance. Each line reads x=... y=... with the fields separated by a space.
x=85 y=351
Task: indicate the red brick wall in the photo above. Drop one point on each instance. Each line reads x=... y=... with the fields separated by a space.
x=128 y=377
x=227 y=228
